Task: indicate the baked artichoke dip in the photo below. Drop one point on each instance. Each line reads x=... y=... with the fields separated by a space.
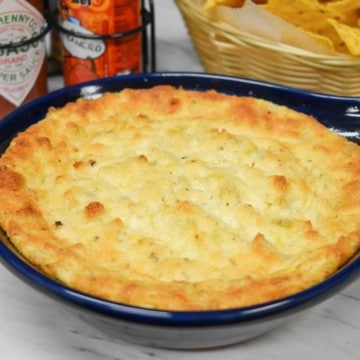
x=177 y=199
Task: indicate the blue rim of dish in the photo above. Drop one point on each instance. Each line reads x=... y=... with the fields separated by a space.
x=296 y=99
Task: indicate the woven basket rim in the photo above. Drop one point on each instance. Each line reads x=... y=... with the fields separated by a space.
x=236 y=34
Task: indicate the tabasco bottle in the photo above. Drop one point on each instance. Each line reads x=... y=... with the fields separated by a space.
x=91 y=47
x=22 y=53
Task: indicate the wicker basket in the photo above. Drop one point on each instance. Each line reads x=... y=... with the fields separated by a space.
x=223 y=49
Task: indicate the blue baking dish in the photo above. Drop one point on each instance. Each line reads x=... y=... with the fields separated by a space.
x=181 y=329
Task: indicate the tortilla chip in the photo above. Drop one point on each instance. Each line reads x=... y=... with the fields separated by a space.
x=232 y=3
x=324 y=26
x=350 y=36
x=311 y=16
x=350 y=9
x=325 y=42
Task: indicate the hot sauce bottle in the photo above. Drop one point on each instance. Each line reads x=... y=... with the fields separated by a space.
x=90 y=46
x=22 y=67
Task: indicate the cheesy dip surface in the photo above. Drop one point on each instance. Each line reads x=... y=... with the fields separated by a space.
x=182 y=200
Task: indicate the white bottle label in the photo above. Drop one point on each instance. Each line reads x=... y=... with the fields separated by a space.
x=19 y=67
x=79 y=47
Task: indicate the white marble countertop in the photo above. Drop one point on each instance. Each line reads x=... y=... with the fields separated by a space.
x=35 y=327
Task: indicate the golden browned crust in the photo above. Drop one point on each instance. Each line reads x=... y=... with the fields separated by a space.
x=183 y=200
